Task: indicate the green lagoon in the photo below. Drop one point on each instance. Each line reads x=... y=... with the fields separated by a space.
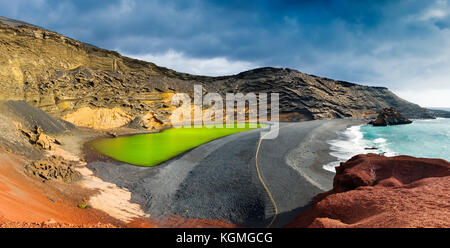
x=155 y=148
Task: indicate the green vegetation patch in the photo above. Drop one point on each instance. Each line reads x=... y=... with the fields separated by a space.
x=153 y=149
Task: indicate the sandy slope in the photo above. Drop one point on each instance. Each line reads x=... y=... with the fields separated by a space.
x=28 y=203
x=23 y=199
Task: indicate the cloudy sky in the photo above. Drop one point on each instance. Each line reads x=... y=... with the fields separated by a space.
x=403 y=45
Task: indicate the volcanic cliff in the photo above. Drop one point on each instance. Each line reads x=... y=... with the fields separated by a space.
x=94 y=87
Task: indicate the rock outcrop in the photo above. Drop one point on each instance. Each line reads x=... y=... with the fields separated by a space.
x=389 y=117
x=376 y=191
x=39 y=139
x=25 y=203
x=148 y=121
x=54 y=168
x=61 y=76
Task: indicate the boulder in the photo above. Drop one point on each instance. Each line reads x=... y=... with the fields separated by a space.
x=390 y=116
x=148 y=121
x=38 y=138
x=137 y=123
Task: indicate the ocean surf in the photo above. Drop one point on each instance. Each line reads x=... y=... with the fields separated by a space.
x=422 y=138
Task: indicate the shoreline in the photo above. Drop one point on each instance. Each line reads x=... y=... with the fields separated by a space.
x=364 y=139
x=298 y=177
x=169 y=188
x=318 y=154
x=192 y=136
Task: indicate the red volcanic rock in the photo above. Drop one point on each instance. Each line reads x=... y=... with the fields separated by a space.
x=376 y=191
x=372 y=169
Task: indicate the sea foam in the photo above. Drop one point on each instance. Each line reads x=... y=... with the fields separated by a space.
x=349 y=143
x=422 y=138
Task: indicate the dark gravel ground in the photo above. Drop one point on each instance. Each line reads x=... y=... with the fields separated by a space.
x=36 y=117
x=218 y=180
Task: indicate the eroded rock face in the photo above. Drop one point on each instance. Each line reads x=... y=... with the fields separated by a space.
x=61 y=76
x=148 y=121
x=38 y=138
x=100 y=118
x=54 y=168
x=376 y=191
x=390 y=116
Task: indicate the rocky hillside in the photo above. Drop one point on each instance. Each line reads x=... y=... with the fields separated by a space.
x=304 y=96
x=440 y=113
x=87 y=85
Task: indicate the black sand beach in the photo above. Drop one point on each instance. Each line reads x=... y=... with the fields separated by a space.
x=219 y=180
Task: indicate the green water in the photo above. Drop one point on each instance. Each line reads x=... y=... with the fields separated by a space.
x=153 y=149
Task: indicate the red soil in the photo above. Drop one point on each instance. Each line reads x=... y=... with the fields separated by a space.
x=26 y=202
x=377 y=191
x=180 y=222
x=49 y=224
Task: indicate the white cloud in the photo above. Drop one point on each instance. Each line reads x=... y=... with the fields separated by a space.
x=438 y=10
x=417 y=69
x=427 y=98
x=434 y=14
x=219 y=66
x=121 y=9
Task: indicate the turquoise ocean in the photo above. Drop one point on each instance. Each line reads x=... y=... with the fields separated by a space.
x=422 y=138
